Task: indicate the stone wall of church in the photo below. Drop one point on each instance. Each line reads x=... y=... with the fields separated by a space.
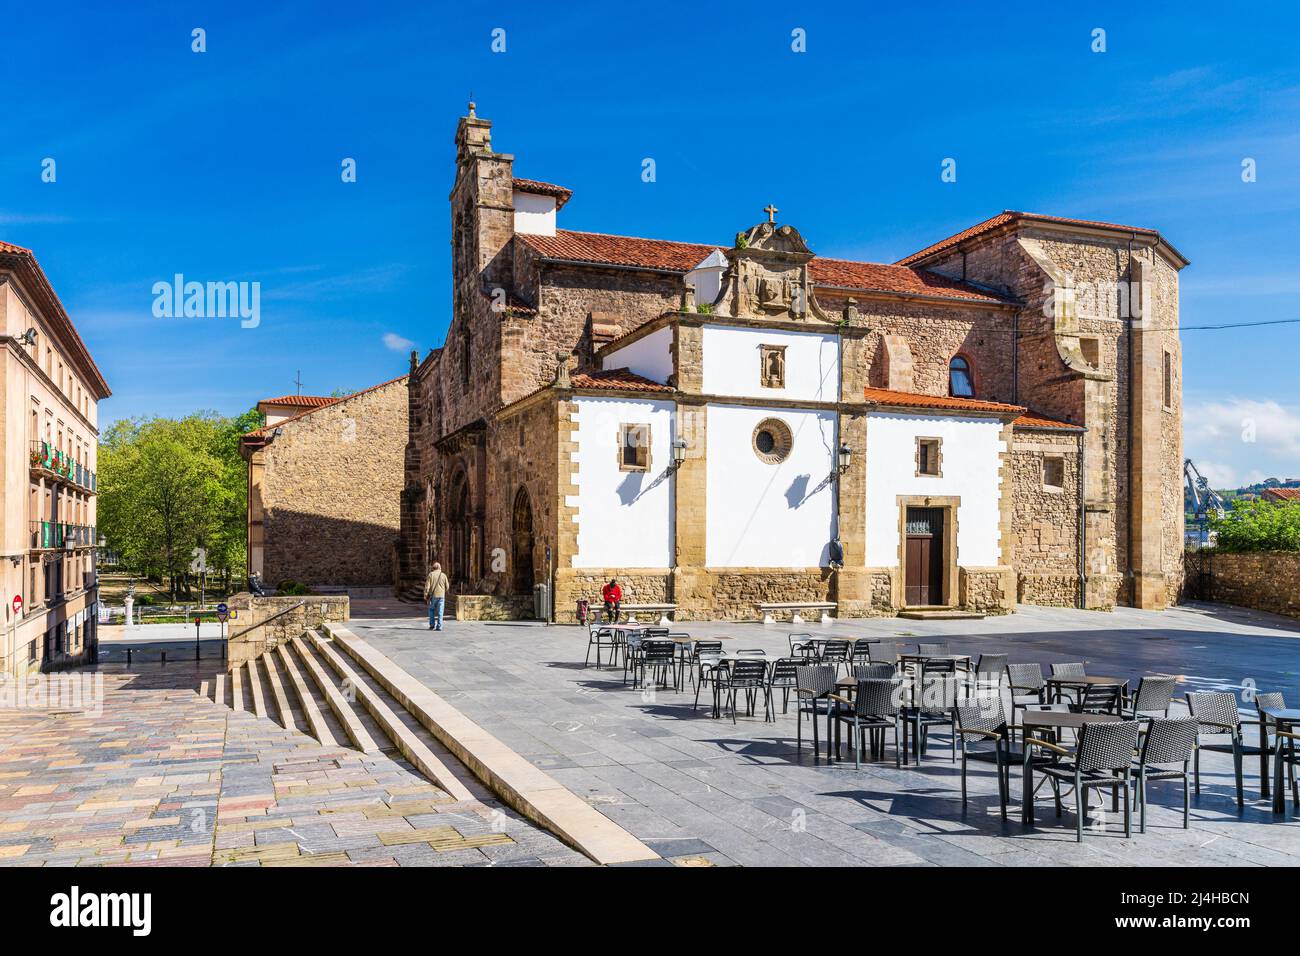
x=1096 y=392
x=331 y=492
x=934 y=334
x=1045 y=521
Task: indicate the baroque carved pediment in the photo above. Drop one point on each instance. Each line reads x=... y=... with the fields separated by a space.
x=768 y=275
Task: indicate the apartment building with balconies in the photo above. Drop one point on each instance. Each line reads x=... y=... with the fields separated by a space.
x=48 y=474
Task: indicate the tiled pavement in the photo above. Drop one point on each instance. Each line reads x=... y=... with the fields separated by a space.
x=702 y=791
x=166 y=777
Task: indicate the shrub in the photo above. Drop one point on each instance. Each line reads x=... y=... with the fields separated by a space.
x=291 y=588
x=1258 y=526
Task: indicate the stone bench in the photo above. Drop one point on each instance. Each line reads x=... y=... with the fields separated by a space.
x=794 y=607
x=630 y=610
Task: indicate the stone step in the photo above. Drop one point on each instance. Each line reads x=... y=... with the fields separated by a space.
x=315 y=718
x=277 y=691
x=524 y=787
x=255 y=690
x=219 y=690
x=341 y=708
x=237 y=688
x=407 y=741
x=940 y=614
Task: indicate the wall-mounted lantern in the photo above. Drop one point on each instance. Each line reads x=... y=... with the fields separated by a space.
x=844 y=459
x=679 y=453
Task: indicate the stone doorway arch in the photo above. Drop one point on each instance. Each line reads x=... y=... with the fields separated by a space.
x=521 y=543
x=459 y=538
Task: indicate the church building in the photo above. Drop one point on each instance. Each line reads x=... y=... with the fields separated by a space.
x=992 y=420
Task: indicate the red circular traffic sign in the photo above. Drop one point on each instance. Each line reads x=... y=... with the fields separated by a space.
x=18 y=604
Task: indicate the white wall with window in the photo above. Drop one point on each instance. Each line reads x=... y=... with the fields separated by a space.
x=650 y=356
x=733 y=363
x=968 y=453
x=771 y=503
x=625 y=495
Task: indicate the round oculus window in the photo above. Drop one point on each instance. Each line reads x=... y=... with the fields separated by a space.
x=772 y=441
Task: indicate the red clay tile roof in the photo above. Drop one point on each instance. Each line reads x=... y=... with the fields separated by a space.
x=663 y=254
x=1034 y=420
x=1026 y=418
x=1283 y=494
x=306 y=401
x=24 y=263
x=876 y=277
x=543 y=189
x=325 y=403
x=885 y=396
x=1001 y=219
x=618 y=379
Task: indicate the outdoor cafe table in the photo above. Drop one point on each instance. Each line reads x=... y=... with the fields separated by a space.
x=1285 y=718
x=1051 y=720
x=1060 y=682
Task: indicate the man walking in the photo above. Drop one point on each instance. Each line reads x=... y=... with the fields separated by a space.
x=435 y=592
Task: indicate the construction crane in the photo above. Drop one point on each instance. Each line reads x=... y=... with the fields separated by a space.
x=1205 y=502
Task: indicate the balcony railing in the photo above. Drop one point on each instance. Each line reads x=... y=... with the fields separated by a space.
x=48 y=460
x=52 y=535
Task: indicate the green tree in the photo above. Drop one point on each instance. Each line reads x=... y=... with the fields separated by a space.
x=1258 y=526
x=168 y=486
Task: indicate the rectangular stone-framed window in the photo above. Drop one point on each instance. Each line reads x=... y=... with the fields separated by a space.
x=633 y=447
x=1090 y=346
x=771 y=369
x=1053 y=473
x=929 y=457
x=1168 y=383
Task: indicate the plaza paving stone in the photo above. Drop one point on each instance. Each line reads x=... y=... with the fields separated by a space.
x=706 y=792
x=164 y=776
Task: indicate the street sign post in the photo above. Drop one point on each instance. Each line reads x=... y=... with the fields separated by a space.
x=18 y=605
x=223 y=613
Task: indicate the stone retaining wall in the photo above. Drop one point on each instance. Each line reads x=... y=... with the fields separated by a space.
x=247 y=641
x=1264 y=580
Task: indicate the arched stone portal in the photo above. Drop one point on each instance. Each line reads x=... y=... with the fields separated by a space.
x=459 y=537
x=521 y=550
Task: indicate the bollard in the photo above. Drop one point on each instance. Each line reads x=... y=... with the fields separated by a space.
x=164 y=657
x=128 y=657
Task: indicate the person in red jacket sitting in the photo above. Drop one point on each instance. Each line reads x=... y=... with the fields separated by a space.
x=612 y=595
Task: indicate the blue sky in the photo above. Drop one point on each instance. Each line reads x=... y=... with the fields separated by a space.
x=225 y=165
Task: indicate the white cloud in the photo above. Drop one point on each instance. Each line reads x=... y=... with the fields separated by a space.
x=395 y=342
x=1241 y=441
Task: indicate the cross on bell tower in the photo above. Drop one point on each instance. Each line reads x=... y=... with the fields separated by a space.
x=771 y=212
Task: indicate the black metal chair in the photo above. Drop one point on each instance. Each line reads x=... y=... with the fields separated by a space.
x=1102 y=759
x=783 y=675
x=1217 y=715
x=659 y=657
x=814 y=685
x=983 y=735
x=933 y=703
x=703 y=654
x=599 y=638
x=802 y=646
x=1285 y=753
x=874 y=671
x=1151 y=699
x=988 y=671
x=1167 y=746
x=876 y=706
x=748 y=675
x=1070 y=669
x=883 y=652
x=1028 y=689
x=834 y=652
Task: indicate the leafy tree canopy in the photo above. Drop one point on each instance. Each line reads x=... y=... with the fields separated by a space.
x=167 y=486
x=1258 y=526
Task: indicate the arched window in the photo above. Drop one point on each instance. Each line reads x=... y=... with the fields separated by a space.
x=961 y=383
